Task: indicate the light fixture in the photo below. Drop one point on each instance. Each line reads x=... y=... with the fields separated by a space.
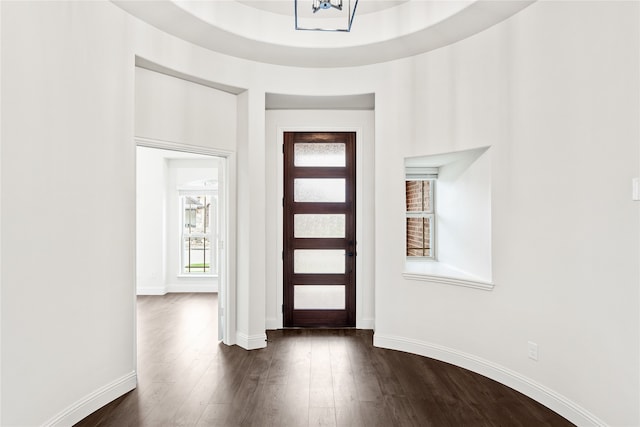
x=325 y=4
x=325 y=15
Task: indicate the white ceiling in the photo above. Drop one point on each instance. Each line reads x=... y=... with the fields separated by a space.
x=263 y=30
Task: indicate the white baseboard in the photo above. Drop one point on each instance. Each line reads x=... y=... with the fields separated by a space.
x=156 y=290
x=192 y=287
x=189 y=288
x=551 y=399
x=251 y=342
x=94 y=401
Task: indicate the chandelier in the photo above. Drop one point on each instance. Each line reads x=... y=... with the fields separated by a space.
x=325 y=15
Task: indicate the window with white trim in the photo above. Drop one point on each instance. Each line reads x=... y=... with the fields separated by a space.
x=448 y=217
x=198 y=254
x=420 y=188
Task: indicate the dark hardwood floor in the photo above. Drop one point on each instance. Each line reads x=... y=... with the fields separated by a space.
x=303 y=378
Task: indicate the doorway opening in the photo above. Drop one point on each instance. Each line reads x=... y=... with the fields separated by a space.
x=181 y=217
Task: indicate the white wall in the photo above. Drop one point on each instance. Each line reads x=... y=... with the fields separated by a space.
x=68 y=209
x=151 y=221
x=463 y=203
x=251 y=224
x=553 y=90
x=175 y=110
x=362 y=122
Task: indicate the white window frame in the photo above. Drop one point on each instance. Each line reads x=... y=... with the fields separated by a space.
x=431 y=175
x=210 y=234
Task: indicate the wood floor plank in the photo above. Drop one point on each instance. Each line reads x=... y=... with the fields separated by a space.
x=375 y=414
x=324 y=416
x=303 y=377
x=348 y=415
x=345 y=391
x=216 y=414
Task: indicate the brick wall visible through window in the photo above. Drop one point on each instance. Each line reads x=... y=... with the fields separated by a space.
x=419 y=207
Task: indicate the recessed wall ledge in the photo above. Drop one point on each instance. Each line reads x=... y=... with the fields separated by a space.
x=438 y=272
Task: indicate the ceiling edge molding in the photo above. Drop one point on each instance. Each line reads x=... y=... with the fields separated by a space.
x=473 y=19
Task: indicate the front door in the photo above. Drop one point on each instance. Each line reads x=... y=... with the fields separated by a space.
x=319 y=229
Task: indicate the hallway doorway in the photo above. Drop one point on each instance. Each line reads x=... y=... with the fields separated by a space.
x=181 y=216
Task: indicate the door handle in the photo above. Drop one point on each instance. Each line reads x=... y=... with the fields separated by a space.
x=349 y=254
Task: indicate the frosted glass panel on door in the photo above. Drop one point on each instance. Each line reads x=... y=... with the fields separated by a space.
x=318 y=261
x=319 y=226
x=318 y=297
x=320 y=154
x=319 y=190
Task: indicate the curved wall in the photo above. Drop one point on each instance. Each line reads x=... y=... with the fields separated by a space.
x=553 y=91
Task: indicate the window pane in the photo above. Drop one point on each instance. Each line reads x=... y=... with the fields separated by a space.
x=319 y=261
x=196 y=214
x=318 y=226
x=419 y=237
x=326 y=190
x=196 y=255
x=427 y=196
x=319 y=297
x=320 y=154
x=418 y=196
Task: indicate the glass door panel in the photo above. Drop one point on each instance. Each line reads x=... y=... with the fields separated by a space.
x=329 y=154
x=318 y=297
x=319 y=225
x=318 y=261
x=323 y=190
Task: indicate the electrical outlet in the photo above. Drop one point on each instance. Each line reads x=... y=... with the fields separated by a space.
x=533 y=351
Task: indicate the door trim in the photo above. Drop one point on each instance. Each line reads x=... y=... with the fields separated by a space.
x=361 y=323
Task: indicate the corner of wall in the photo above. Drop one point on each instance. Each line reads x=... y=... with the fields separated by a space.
x=272 y=323
x=366 y=323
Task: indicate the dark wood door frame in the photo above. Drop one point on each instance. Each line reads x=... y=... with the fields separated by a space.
x=326 y=317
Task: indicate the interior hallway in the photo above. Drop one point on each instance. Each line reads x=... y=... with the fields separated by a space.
x=303 y=377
